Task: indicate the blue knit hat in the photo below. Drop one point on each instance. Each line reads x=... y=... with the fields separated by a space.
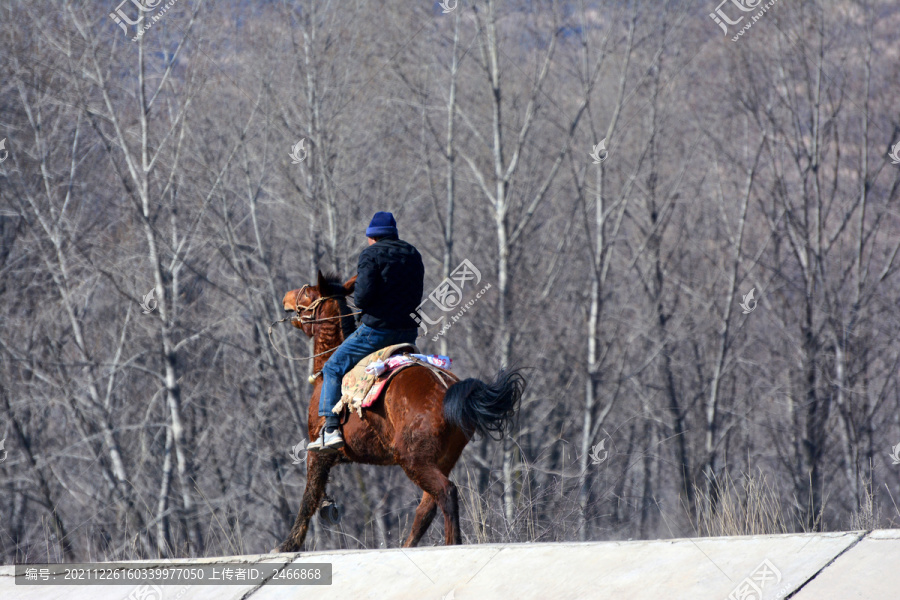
x=383 y=223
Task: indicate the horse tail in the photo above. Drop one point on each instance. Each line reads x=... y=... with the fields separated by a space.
x=485 y=408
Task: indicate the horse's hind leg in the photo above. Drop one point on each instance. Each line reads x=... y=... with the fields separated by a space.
x=450 y=507
x=433 y=481
x=317 y=468
x=424 y=516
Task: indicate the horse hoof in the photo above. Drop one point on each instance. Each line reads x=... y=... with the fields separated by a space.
x=330 y=511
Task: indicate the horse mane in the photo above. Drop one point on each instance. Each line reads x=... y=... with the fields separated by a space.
x=334 y=284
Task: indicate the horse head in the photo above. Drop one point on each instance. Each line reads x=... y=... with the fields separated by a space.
x=310 y=302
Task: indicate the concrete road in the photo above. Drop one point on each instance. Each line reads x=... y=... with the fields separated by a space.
x=825 y=566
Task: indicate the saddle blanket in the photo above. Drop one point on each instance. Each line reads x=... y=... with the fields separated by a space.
x=362 y=385
x=378 y=367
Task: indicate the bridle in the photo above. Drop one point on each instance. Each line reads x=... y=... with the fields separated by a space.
x=308 y=320
x=314 y=307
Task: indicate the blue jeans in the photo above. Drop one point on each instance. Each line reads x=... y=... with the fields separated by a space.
x=361 y=343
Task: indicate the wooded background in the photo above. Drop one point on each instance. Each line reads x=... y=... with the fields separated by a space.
x=163 y=165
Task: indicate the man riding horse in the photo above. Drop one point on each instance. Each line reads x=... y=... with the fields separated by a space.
x=422 y=420
x=389 y=285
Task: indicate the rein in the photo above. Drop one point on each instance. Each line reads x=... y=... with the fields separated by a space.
x=299 y=310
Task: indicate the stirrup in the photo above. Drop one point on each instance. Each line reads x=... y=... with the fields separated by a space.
x=316 y=446
x=333 y=441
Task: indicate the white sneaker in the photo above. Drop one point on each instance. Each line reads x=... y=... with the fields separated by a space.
x=333 y=441
x=316 y=446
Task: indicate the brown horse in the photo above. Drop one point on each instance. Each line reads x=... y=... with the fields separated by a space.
x=417 y=424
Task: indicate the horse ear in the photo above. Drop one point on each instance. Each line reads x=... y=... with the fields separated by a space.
x=321 y=284
x=350 y=284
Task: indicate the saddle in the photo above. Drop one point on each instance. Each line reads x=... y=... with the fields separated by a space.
x=360 y=389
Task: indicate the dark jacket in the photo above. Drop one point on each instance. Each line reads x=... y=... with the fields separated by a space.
x=391 y=278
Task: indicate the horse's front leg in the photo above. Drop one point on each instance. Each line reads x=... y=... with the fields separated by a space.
x=318 y=465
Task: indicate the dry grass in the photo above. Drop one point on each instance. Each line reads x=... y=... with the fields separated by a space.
x=749 y=506
x=867 y=516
